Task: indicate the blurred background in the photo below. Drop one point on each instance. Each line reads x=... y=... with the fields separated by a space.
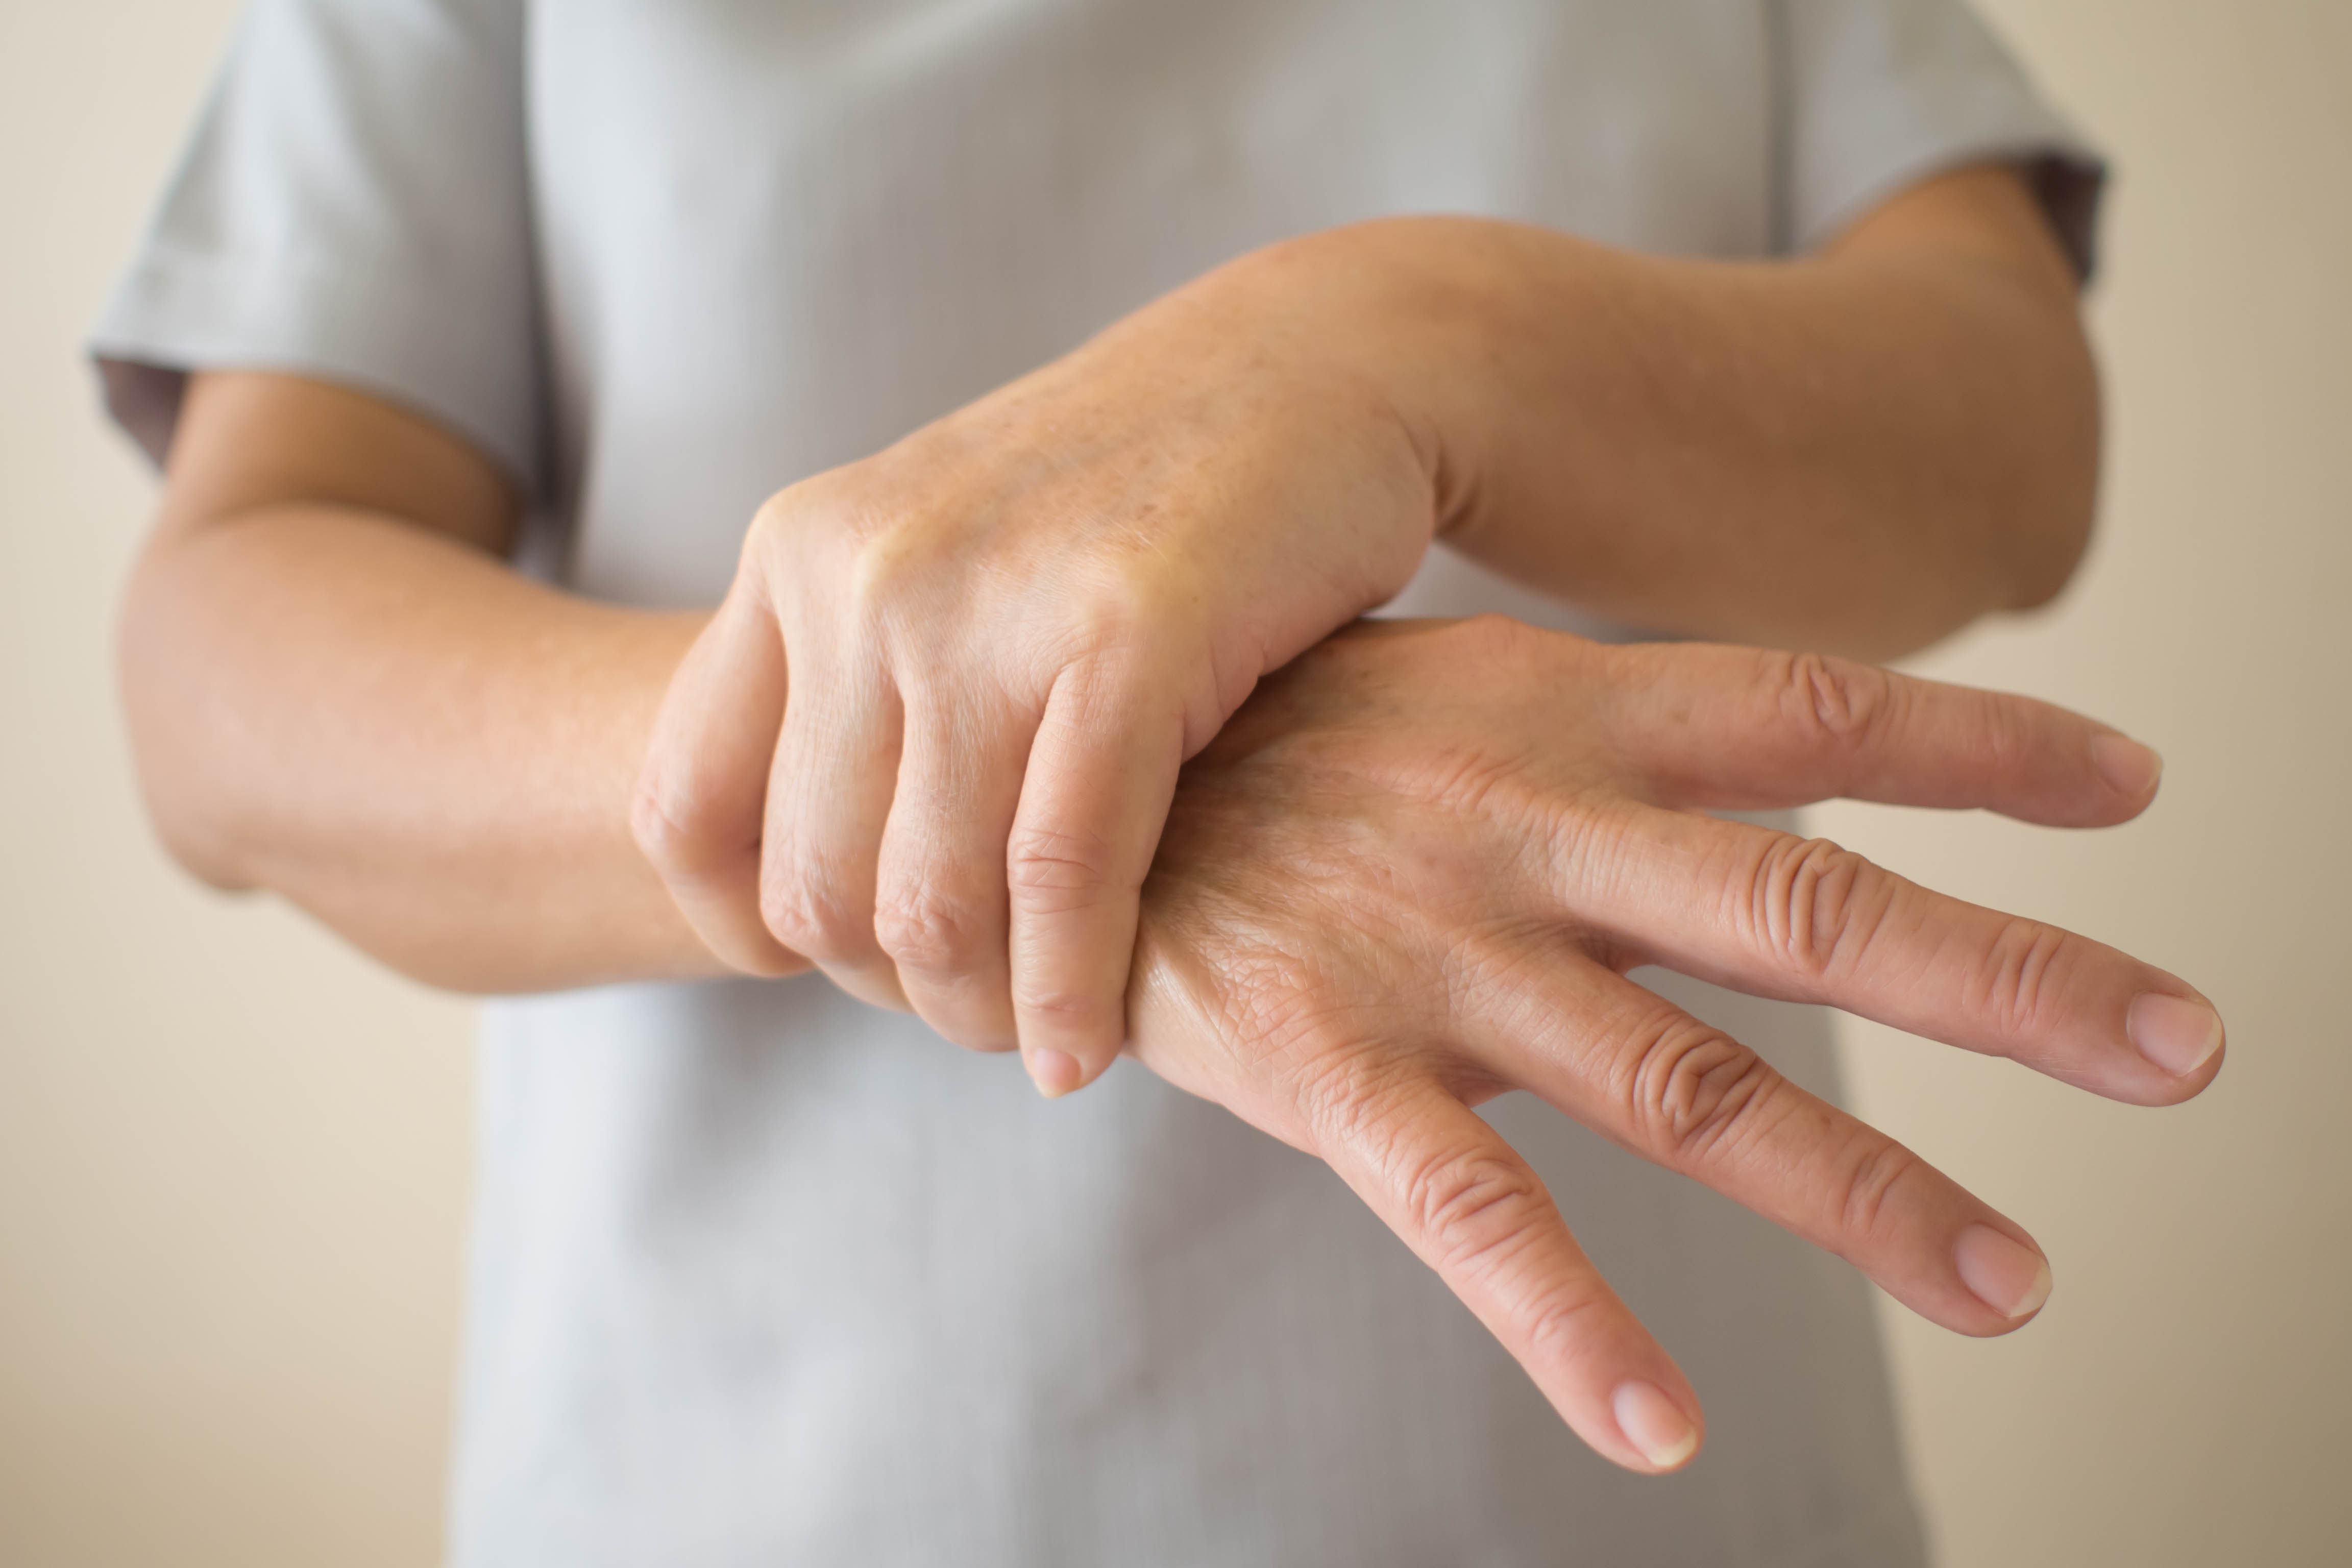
x=233 y=1156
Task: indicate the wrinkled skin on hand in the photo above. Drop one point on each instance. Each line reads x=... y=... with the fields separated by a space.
x=1413 y=872
x=1004 y=634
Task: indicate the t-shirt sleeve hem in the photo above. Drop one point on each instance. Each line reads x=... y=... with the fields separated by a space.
x=2067 y=179
x=178 y=312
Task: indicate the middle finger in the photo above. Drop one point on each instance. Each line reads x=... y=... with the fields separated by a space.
x=941 y=907
x=1803 y=920
x=829 y=795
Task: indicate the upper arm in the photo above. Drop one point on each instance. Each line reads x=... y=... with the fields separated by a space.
x=352 y=205
x=1984 y=215
x=249 y=440
x=1976 y=246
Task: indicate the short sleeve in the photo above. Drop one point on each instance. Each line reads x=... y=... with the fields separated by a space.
x=1882 y=93
x=354 y=204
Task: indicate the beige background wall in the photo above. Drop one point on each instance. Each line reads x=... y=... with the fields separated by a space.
x=232 y=1156
x=2187 y=1397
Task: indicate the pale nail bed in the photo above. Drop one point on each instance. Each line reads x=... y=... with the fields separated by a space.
x=2175 y=1033
x=1054 y=1073
x=2133 y=769
x=1653 y=1424
x=2003 y=1272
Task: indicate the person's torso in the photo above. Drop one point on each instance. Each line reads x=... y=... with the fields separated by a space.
x=774 y=237
x=764 y=1276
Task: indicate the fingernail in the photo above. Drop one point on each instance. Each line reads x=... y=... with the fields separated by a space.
x=1653 y=1424
x=2175 y=1033
x=1054 y=1073
x=2003 y=1272
x=2133 y=769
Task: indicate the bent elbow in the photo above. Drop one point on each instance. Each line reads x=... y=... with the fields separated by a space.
x=171 y=742
x=2064 y=508
x=2046 y=562
x=192 y=827
x=193 y=842
x=2054 y=517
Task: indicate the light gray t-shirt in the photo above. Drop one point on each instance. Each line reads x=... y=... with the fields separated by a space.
x=762 y=1276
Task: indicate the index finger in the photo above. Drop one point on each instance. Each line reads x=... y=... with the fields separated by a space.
x=701 y=797
x=1472 y=1209
x=1741 y=728
x=1101 y=773
x=1767 y=913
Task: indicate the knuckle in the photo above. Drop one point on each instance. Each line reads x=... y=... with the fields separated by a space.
x=886 y=570
x=838 y=534
x=1835 y=703
x=885 y=603
x=1110 y=678
x=1471 y=1207
x=1689 y=1091
x=1563 y=1326
x=1051 y=871
x=2008 y=733
x=779 y=515
x=1473 y=781
x=808 y=912
x=772 y=525
x=2022 y=971
x=1340 y=1089
x=926 y=927
x=786 y=520
x=1866 y=1199
x=1282 y=1023
x=1126 y=610
x=1815 y=903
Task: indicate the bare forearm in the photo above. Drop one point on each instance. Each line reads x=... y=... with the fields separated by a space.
x=428 y=752
x=339 y=692
x=1859 y=452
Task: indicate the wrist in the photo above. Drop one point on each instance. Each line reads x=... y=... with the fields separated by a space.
x=1436 y=316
